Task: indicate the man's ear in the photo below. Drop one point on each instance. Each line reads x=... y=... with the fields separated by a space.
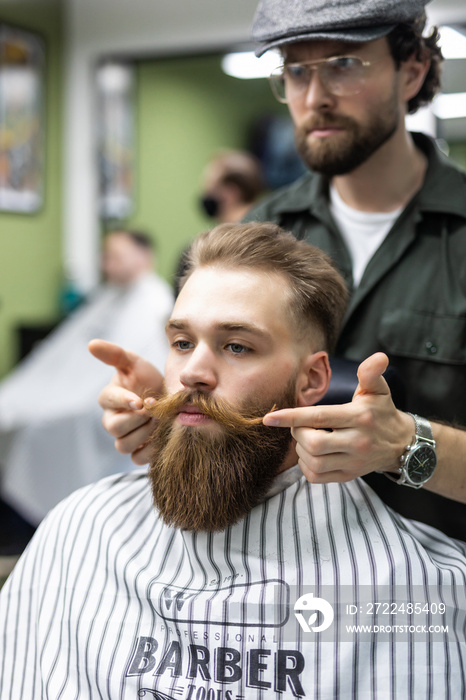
x=413 y=72
x=313 y=379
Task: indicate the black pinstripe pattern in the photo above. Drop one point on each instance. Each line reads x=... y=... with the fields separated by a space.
x=108 y=602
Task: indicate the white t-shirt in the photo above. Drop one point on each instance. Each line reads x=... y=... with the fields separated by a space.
x=108 y=602
x=363 y=232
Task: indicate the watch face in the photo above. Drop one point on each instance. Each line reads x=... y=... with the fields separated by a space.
x=421 y=463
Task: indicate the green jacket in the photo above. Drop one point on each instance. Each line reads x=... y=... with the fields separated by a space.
x=411 y=302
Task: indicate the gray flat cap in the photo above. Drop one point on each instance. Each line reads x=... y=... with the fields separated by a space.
x=279 y=22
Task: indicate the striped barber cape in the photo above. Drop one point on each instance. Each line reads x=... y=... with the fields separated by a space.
x=321 y=592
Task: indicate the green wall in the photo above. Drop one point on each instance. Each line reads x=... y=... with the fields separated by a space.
x=187 y=109
x=457 y=153
x=30 y=245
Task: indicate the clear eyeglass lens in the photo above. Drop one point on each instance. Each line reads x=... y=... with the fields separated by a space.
x=277 y=82
x=343 y=76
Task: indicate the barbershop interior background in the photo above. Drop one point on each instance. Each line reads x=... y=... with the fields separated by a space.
x=163 y=62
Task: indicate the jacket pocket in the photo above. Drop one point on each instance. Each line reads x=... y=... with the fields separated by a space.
x=424 y=336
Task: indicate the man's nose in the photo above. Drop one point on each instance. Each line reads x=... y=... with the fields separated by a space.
x=199 y=370
x=317 y=95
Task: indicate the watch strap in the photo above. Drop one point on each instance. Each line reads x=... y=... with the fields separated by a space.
x=423 y=433
x=423 y=427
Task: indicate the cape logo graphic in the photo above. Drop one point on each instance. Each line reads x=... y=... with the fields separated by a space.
x=308 y=605
x=254 y=604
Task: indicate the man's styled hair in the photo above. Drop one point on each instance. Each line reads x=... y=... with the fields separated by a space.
x=407 y=39
x=318 y=294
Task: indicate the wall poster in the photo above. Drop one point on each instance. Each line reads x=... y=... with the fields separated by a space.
x=22 y=120
x=116 y=139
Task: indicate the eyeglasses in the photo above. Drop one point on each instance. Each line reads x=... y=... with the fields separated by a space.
x=341 y=75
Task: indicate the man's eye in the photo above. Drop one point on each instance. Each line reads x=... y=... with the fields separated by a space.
x=296 y=72
x=182 y=344
x=237 y=348
x=344 y=63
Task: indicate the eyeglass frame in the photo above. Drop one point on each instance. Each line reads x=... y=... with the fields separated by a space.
x=315 y=66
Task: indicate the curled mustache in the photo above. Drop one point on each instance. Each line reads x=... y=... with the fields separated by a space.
x=219 y=410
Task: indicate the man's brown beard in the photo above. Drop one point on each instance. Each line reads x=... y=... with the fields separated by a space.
x=355 y=146
x=205 y=480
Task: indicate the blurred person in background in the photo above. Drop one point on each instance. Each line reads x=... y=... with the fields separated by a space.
x=51 y=437
x=232 y=183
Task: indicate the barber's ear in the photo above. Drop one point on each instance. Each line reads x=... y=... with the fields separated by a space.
x=313 y=379
x=414 y=73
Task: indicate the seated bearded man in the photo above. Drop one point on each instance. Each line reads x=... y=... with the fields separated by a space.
x=222 y=574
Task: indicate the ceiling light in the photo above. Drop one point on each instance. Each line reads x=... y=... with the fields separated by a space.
x=452 y=43
x=450 y=106
x=114 y=77
x=246 y=65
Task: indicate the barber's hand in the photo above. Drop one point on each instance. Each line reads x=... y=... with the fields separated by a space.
x=124 y=414
x=339 y=443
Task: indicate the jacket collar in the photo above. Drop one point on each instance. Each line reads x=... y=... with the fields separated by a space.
x=444 y=188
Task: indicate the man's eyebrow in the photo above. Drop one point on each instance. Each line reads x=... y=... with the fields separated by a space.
x=240 y=326
x=243 y=327
x=174 y=324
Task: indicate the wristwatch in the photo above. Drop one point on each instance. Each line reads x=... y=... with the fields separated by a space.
x=418 y=462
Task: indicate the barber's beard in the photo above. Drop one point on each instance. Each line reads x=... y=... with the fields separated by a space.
x=206 y=480
x=345 y=152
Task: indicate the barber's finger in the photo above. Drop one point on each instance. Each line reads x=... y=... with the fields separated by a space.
x=133 y=372
x=325 y=442
x=319 y=417
x=323 y=461
x=112 y=354
x=322 y=469
x=370 y=376
x=118 y=398
x=329 y=477
x=142 y=455
x=133 y=441
x=122 y=423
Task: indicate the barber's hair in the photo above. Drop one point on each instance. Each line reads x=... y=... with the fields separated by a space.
x=317 y=292
x=407 y=39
